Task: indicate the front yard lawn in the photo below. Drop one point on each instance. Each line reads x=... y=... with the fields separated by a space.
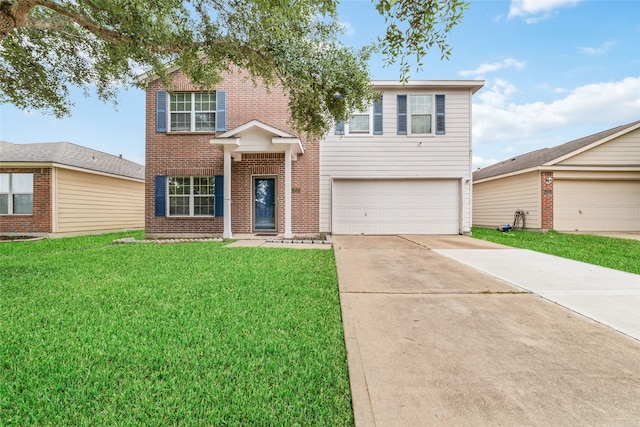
x=193 y=334
x=619 y=254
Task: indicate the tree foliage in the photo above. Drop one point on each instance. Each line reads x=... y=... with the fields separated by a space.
x=48 y=46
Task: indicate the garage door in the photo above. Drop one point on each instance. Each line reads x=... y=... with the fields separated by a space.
x=596 y=205
x=396 y=206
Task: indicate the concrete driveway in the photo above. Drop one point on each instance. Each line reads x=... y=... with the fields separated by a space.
x=432 y=341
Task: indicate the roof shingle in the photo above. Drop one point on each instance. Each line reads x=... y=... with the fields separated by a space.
x=545 y=155
x=66 y=153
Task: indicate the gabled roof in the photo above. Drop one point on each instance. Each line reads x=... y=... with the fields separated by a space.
x=252 y=125
x=549 y=156
x=66 y=153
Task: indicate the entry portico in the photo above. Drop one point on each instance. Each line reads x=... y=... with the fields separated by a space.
x=257 y=137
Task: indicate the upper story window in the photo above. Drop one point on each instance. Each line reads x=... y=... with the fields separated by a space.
x=16 y=193
x=365 y=122
x=191 y=196
x=191 y=111
x=421 y=114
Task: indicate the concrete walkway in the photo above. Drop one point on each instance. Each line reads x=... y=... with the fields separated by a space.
x=431 y=340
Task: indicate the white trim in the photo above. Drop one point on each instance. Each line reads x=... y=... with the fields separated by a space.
x=226 y=214
x=287 y=193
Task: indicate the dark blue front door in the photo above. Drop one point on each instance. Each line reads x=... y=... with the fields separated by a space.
x=264 y=203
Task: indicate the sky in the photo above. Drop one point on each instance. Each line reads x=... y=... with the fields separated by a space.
x=554 y=71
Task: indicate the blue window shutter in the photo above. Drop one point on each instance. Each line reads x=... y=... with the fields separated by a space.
x=219 y=195
x=339 y=130
x=377 y=116
x=402 y=114
x=221 y=111
x=440 y=115
x=161 y=195
x=161 y=111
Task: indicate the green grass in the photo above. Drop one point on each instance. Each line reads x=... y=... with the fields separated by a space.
x=619 y=254
x=193 y=334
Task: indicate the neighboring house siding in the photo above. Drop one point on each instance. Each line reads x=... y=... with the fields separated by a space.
x=89 y=202
x=400 y=156
x=191 y=154
x=40 y=222
x=495 y=201
x=624 y=150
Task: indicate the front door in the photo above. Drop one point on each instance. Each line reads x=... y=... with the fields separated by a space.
x=264 y=203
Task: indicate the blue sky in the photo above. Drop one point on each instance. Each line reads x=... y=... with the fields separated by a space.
x=555 y=70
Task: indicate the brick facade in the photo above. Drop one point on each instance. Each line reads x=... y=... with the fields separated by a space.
x=40 y=222
x=191 y=154
x=546 y=200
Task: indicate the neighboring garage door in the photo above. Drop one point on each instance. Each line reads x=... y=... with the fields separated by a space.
x=396 y=206
x=596 y=205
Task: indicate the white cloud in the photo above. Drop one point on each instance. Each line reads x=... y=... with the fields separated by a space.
x=533 y=11
x=483 y=69
x=480 y=162
x=347 y=28
x=497 y=120
x=598 y=50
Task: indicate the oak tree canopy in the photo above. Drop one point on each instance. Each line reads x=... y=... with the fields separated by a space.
x=48 y=46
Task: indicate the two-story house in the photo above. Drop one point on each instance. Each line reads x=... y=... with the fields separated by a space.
x=227 y=162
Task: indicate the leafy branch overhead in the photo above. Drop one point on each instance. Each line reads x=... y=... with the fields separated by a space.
x=48 y=46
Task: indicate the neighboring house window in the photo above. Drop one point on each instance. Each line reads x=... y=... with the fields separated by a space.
x=16 y=193
x=359 y=122
x=192 y=112
x=421 y=114
x=191 y=196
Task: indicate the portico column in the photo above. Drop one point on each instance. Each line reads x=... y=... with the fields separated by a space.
x=287 y=193
x=226 y=234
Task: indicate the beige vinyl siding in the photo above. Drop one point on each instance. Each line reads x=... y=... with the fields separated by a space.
x=88 y=202
x=495 y=201
x=400 y=156
x=621 y=151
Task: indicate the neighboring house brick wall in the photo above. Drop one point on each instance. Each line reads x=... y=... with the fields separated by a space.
x=546 y=198
x=41 y=219
x=191 y=154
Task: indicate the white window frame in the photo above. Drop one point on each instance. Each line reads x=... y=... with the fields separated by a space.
x=410 y=114
x=369 y=113
x=191 y=196
x=192 y=112
x=10 y=192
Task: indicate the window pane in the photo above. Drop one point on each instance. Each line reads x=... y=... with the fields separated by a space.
x=421 y=104
x=4 y=182
x=180 y=102
x=179 y=185
x=205 y=101
x=22 y=183
x=180 y=122
x=359 y=123
x=23 y=204
x=4 y=204
x=178 y=205
x=203 y=185
x=203 y=205
x=206 y=121
x=421 y=123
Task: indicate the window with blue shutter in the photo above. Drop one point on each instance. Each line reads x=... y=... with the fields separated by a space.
x=440 y=124
x=377 y=116
x=221 y=111
x=161 y=111
x=161 y=195
x=402 y=114
x=339 y=129
x=219 y=195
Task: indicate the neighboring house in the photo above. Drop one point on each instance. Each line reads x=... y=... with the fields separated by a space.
x=228 y=162
x=590 y=184
x=59 y=188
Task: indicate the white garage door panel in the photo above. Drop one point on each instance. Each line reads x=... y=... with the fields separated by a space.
x=596 y=205
x=396 y=206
